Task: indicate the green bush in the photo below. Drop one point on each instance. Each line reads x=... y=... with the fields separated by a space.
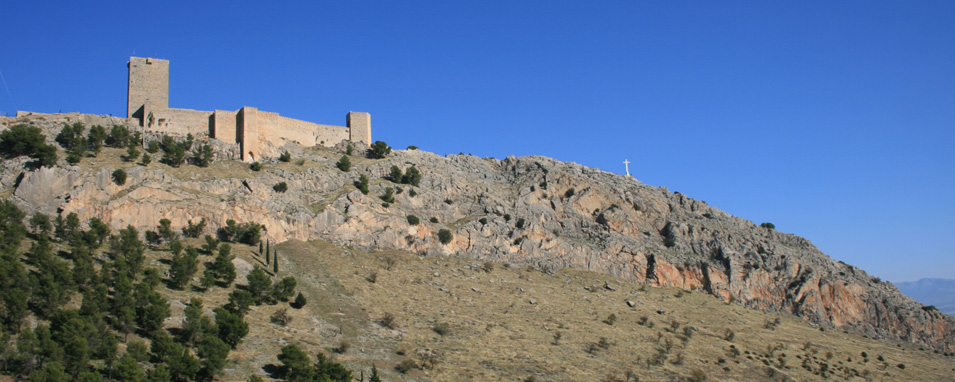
x=255 y=166
x=145 y=159
x=152 y=147
x=412 y=147
x=379 y=150
x=669 y=242
x=389 y=195
x=280 y=187
x=413 y=220
x=520 y=223
x=570 y=192
x=285 y=157
x=344 y=163
x=433 y=219
x=362 y=184
x=483 y=221
x=395 y=175
x=27 y=140
x=412 y=176
x=448 y=201
x=444 y=236
x=768 y=225
x=119 y=177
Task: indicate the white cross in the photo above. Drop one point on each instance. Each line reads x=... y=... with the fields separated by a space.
x=626 y=164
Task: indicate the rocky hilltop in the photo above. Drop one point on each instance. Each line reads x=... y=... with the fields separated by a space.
x=529 y=210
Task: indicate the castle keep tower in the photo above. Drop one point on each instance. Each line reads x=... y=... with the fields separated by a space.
x=148 y=83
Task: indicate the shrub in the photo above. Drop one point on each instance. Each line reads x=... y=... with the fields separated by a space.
x=299 y=301
x=395 y=175
x=448 y=201
x=543 y=185
x=379 y=150
x=483 y=221
x=768 y=225
x=611 y=319
x=362 y=184
x=285 y=157
x=441 y=328
x=388 y=321
x=131 y=154
x=281 y=317
x=507 y=217
x=433 y=220
x=412 y=176
x=669 y=242
x=194 y=230
x=413 y=220
x=152 y=147
x=487 y=266
x=342 y=347
x=202 y=156
x=412 y=193
x=389 y=195
x=412 y=147
x=697 y=375
x=406 y=366
x=145 y=159
x=570 y=192
x=444 y=236
x=520 y=223
x=255 y=166
x=344 y=163
x=349 y=149
x=280 y=187
x=119 y=177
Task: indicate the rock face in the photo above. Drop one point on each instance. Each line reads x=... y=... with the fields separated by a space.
x=531 y=210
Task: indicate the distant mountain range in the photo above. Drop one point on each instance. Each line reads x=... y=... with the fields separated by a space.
x=938 y=292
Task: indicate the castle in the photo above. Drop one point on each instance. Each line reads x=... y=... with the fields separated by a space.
x=254 y=130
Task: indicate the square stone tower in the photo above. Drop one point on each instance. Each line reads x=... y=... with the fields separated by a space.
x=359 y=127
x=148 y=84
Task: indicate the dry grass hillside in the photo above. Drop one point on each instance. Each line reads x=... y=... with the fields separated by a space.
x=455 y=319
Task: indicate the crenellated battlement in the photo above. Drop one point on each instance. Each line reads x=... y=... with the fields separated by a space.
x=252 y=129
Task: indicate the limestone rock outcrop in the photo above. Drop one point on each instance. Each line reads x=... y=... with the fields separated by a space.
x=533 y=210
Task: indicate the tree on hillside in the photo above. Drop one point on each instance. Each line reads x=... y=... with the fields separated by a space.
x=258 y=284
x=230 y=327
x=379 y=150
x=344 y=163
x=412 y=176
x=27 y=140
x=395 y=175
x=182 y=267
x=96 y=138
x=362 y=184
x=222 y=268
x=202 y=156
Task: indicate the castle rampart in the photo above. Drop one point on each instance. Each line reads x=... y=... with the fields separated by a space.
x=255 y=131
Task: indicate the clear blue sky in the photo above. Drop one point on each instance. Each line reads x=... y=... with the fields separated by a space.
x=833 y=120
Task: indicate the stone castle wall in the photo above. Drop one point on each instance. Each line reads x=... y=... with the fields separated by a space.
x=257 y=132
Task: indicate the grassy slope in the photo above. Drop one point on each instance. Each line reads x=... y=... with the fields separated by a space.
x=496 y=332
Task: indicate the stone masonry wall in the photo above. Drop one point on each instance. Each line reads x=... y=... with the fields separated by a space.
x=223 y=126
x=148 y=81
x=178 y=121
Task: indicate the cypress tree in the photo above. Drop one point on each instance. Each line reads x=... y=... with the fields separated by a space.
x=260 y=248
x=275 y=263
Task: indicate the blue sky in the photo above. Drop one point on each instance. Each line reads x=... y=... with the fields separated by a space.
x=833 y=120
